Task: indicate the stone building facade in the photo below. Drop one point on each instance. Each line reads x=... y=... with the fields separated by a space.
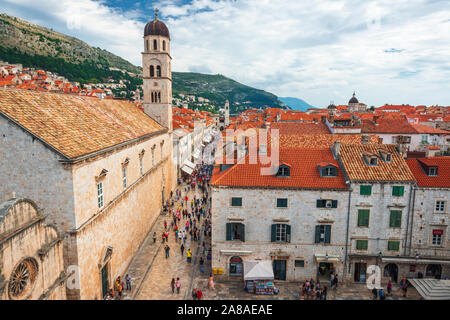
x=101 y=169
x=31 y=254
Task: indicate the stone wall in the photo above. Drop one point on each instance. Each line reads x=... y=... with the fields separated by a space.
x=25 y=240
x=259 y=212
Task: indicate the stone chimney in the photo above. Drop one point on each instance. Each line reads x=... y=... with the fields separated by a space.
x=335 y=148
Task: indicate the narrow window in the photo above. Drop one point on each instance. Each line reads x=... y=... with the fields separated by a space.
x=393 y=245
x=439 y=206
x=395 y=220
x=282 y=203
x=363 y=218
x=155 y=45
x=236 y=202
x=152 y=71
x=158 y=71
x=437 y=237
x=124 y=177
x=361 y=244
x=432 y=171
x=281 y=233
x=164 y=45
x=159 y=97
x=100 y=194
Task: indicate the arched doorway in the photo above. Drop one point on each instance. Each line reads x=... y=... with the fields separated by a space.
x=391 y=270
x=236 y=267
x=434 y=270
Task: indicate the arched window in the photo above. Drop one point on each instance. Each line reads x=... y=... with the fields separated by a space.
x=152 y=96
x=164 y=45
x=155 y=45
x=158 y=71
x=152 y=71
x=159 y=96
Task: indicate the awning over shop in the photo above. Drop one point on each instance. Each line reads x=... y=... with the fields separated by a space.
x=189 y=164
x=187 y=169
x=432 y=289
x=414 y=261
x=258 y=270
x=324 y=258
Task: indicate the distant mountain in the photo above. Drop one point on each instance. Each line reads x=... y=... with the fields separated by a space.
x=295 y=103
x=38 y=47
x=218 y=88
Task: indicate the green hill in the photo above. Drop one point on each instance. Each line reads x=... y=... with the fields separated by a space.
x=39 y=47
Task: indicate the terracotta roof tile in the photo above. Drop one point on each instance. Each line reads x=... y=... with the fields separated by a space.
x=358 y=170
x=442 y=180
x=76 y=125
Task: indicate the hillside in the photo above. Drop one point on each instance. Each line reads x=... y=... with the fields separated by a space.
x=38 y=47
x=295 y=103
x=219 y=88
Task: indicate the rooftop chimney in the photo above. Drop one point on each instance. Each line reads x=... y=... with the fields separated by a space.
x=365 y=139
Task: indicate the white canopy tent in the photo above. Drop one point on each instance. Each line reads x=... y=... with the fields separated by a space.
x=189 y=164
x=258 y=270
x=187 y=169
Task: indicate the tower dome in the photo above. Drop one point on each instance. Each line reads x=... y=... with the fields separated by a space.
x=353 y=99
x=156 y=28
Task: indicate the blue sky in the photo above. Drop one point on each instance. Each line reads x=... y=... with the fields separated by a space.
x=387 y=51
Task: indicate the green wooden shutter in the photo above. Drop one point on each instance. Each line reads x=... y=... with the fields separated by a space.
x=361 y=244
x=327 y=234
x=228 y=231
x=365 y=190
x=243 y=232
x=395 y=220
x=393 y=245
x=334 y=204
x=363 y=218
x=398 y=191
x=288 y=233
x=317 y=240
x=274 y=233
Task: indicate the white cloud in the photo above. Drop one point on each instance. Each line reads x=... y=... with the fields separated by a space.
x=316 y=50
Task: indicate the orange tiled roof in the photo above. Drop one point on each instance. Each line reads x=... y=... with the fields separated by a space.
x=303 y=170
x=442 y=180
x=300 y=128
x=312 y=141
x=76 y=125
x=357 y=169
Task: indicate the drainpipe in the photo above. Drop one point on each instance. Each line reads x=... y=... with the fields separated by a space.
x=412 y=220
x=407 y=220
x=346 y=232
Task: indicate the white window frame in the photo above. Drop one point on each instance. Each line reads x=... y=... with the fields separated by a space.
x=437 y=209
x=435 y=238
x=124 y=177
x=281 y=232
x=100 y=199
x=432 y=174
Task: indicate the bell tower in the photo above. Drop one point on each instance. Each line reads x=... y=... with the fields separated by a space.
x=157 y=72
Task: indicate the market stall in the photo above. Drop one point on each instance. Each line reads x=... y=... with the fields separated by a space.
x=258 y=277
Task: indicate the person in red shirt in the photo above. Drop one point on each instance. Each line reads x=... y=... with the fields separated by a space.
x=199 y=294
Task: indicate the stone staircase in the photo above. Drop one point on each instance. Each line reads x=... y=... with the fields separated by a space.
x=432 y=289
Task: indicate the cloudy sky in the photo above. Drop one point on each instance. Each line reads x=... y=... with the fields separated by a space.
x=320 y=51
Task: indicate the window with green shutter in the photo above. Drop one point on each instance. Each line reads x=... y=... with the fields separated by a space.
x=398 y=191
x=393 y=245
x=282 y=203
x=363 y=217
x=362 y=244
x=365 y=190
x=236 y=202
x=395 y=220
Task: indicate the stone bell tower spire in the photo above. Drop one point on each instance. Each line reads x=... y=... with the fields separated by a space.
x=157 y=72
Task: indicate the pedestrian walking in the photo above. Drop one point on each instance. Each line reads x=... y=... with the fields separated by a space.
x=167 y=249
x=211 y=282
x=199 y=294
x=172 y=285
x=182 y=249
x=128 y=281
x=336 y=280
x=389 y=288
x=381 y=294
x=178 y=285
x=194 y=293
x=324 y=293
x=201 y=263
x=374 y=294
